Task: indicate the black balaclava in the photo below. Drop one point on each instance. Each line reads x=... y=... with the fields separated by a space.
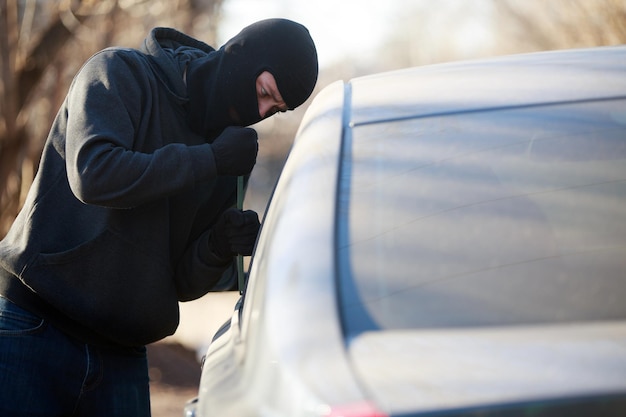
x=225 y=80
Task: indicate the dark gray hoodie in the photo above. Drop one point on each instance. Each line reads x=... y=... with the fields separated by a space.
x=114 y=230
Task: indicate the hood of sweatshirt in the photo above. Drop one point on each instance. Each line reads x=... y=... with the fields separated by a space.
x=170 y=52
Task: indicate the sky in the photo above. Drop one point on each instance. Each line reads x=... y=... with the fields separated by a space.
x=338 y=27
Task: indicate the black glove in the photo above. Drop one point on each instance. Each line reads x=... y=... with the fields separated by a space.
x=235 y=150
x=234 y=233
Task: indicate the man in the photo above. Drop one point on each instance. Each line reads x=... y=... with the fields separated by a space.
x=132 y=211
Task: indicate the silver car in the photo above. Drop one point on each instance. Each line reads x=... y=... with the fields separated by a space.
x=447 y=240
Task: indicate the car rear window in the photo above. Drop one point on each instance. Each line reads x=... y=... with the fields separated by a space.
x=516 y=216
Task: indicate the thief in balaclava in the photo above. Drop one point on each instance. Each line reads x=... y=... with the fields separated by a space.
x=133 y=210
x=221 y=85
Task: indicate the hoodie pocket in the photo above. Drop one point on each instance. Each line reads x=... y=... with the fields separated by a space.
x=112 y=286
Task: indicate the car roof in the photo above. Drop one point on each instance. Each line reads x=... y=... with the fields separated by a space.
x=488 y=84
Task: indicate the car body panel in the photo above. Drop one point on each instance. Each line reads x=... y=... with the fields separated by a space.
x=281 y=365
x=411 y=371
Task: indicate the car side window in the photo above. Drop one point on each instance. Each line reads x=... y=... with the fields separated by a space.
x=501 y=217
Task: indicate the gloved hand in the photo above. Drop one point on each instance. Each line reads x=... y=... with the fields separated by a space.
x=235 y=150
x=234 y=233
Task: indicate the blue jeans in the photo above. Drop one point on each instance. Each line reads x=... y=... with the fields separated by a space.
x=43 y=372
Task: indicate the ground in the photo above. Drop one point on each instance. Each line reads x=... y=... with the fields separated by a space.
x=174 y=378
x=173 y=362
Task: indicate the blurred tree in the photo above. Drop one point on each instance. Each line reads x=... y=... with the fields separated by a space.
x=42 y=45
x=530 y=25
x=431 y=32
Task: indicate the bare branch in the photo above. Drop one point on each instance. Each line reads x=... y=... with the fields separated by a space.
x=50 y=43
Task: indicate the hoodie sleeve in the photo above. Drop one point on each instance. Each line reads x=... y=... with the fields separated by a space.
x=107 y=109
x=200 y=271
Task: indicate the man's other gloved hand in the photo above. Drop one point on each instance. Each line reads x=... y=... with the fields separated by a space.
x=234 y=233
x=235 y=150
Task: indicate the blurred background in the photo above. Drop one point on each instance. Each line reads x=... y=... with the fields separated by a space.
x=44 y=42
